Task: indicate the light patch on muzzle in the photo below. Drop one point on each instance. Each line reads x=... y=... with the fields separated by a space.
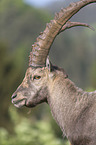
x=19 y=100
x=24 y=83
x=20 y=104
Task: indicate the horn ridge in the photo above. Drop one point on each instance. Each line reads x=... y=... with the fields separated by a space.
x=41 y=47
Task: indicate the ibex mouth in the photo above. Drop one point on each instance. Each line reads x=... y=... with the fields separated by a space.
x=19 y=103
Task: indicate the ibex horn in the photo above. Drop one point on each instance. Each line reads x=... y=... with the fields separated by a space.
x=41 y=47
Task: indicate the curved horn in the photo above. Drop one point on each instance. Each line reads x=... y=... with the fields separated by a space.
x=41 y=47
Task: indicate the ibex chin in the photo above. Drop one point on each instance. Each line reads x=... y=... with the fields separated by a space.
x=73 y=109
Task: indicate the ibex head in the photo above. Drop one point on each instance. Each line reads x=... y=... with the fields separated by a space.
x=34 y=88
x=41 y=74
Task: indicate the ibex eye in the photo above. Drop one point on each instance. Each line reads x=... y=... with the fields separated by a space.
x=37 y=77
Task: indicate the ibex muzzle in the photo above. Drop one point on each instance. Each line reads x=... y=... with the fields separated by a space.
x=33 y=89
x=73 y=109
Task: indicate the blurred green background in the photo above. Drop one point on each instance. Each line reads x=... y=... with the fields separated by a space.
x=74 y=50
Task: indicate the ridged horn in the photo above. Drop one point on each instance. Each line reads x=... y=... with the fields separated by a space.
x=41 y=48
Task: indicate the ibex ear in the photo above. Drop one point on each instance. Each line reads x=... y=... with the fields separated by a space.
x=48 y=64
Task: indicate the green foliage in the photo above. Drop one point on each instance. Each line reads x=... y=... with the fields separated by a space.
x=29 y=132
x=17 y=26
x=93 y=75
x=19 y=23
x=11 y=73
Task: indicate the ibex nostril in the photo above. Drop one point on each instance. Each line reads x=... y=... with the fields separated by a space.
x=13 y=96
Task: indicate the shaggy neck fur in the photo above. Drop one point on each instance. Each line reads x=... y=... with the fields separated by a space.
x=69 y=105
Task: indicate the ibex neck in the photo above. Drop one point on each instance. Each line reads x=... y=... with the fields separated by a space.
x=64 y=97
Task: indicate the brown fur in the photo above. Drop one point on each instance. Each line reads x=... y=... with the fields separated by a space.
x=73 y=109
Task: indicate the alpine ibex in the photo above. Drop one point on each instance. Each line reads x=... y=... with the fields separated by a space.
x=73 y=109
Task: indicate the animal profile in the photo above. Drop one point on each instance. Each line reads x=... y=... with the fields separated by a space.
x=73 y=109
